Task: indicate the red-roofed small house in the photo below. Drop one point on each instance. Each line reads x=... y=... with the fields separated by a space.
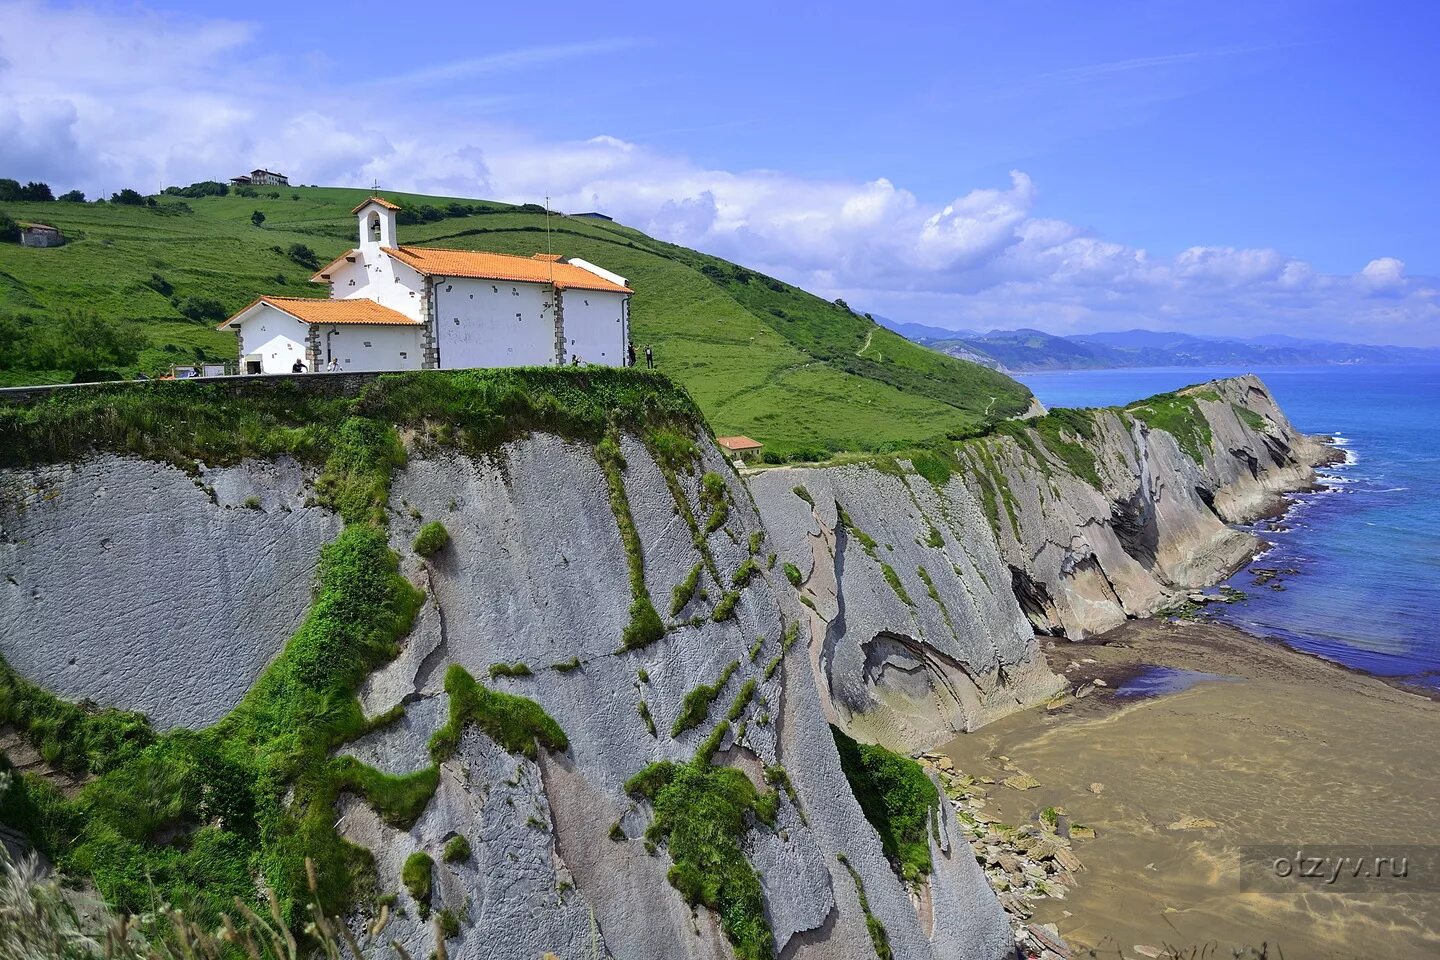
x=740 y=447
x=396 y=307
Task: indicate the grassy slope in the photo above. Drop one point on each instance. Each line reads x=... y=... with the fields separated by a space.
x=761 y=357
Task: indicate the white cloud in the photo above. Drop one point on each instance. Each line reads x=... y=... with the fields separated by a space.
x=99 y=101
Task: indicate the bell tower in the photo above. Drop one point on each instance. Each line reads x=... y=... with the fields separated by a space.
x=376 y=219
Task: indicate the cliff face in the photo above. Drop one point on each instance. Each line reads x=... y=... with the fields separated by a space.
x=1141 y=512
x=134 y=585
x=924 y=594
x=915 y=633
x=897 y=601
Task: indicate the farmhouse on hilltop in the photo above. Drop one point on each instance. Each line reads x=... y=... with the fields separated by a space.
x=394 y=307
x=260 y=177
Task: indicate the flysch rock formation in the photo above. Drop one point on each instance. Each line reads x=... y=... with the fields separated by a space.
x=134 y=584
x=924 y=608
x=1085 y=557
x=535 y=573
x=916 y=634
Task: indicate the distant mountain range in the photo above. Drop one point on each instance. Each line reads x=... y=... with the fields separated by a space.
x=1022 y=350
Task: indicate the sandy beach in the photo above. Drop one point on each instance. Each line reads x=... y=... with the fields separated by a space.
x=1265 y=747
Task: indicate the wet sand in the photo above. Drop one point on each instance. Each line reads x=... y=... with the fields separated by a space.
x=1287 y=750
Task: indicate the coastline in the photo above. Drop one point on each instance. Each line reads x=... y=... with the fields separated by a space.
x=1247 y=742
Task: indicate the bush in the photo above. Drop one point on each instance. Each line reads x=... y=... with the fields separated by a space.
x=417 y=875
x=202 y=310
x=128 y=197
x=257 y=218
x=160 y=285
x=204 y=188
x=457 y=849
x=9 y=229
x=74 y=340
x=303 y=255
x=431 y=539
x=72 y=196
x=896 y=797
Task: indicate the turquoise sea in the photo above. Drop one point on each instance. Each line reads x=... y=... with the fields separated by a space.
x=1365 y=549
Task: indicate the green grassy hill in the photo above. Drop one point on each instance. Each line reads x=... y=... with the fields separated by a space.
x=760 y=357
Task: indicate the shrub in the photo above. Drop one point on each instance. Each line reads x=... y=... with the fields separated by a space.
x=514 y=722
x=697 y=702
x=160 y=285
x=128 y=197
x=702 y=814
x=9 y=229
x=896 y=797
x=725 y=609
x=418 y=875
x=72 y=196
x=257 y=218
x=457 y=849
x=202 y=310
x=682 y=592
x=204 y=188
x=77 y=340
x=431 y=539
x=303 y=255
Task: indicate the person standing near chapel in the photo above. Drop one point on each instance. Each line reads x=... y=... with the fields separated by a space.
x=630 y=354
x=649 y=357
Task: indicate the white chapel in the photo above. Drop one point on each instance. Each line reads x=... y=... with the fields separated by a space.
x=395 y=307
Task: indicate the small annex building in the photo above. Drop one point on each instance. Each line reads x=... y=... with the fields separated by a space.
x=40 y=235
x=394 y=307
x=740 y=447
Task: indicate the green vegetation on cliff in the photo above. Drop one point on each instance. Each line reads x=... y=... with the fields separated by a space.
x=897 y=798
x=701 y=814
x=761 y=357
x=1179 y=415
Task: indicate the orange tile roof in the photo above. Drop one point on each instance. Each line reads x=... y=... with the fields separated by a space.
x=739 y=443
x=499 y=266
x=312 y=310
x=380 y=200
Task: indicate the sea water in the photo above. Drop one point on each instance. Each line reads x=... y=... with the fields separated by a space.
x=1365 y=548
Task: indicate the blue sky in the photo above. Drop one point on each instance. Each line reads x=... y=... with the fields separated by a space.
x=1219 y=168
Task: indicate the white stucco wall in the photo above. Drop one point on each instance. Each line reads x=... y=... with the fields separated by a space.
x=277 y=337
x=374 y=276
x=363 y=348
x=484 y=323
x=595 y=326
